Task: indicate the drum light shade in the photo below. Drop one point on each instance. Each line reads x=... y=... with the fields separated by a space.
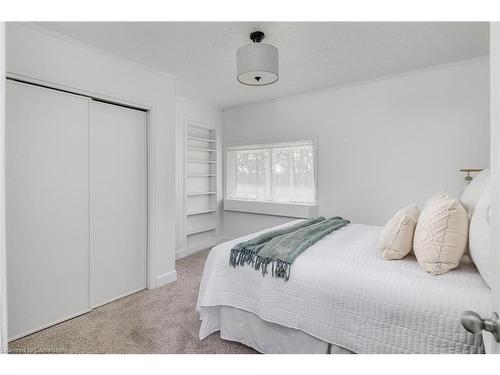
x=257 y=63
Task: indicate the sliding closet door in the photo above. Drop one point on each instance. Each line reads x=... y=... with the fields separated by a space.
x=47 y=205
x=118 y=202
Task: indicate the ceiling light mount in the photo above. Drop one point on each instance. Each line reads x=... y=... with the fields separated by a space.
x=257 y=62
x=257 y=36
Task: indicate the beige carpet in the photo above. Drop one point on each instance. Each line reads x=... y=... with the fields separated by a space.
x=163 y=320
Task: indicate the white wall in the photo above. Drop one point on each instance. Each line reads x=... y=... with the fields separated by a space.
x=3 y=273
x=187 y=110
x=381 y=144
x=46 y=57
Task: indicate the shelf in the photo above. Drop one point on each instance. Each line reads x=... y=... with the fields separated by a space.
x=201 y=161
x=199 y=212
x=200 y=139
x=202 y=230
x=201 y=149
x=201 y=193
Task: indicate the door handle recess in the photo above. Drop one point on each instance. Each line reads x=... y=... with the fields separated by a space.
x=473 y=323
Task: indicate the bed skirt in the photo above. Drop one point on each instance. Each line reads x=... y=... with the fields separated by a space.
x=247 y=328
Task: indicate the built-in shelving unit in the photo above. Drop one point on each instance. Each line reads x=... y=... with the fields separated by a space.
x=201 y=149
x=201 y=230
x=201 y=139
x=202 y=161
x=201 y=193
x=200 y=171
x=199 y=212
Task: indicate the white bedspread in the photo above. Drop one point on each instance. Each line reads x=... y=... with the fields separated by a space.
x=342 y=292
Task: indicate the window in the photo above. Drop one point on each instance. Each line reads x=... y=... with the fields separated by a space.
x=277 y=172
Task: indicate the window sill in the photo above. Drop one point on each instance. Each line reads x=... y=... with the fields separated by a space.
x=297 y=210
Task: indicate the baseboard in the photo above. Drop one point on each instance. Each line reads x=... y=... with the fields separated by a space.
x=181 y=253
x=166 y=278
x=224 y=239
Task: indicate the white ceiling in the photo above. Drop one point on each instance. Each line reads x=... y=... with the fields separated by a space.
x=313 y=55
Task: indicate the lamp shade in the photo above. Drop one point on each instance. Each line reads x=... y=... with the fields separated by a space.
x=257 y=64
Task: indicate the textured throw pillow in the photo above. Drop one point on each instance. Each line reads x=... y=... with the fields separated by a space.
x=441 y=235
x=480 y=236
x=396 y=239
x=436 y=197
x=474 y=190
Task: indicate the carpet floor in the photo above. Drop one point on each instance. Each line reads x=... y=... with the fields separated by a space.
x=163 y=320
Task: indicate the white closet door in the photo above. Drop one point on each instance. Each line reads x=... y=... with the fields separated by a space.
x=47 y=205
x=118 y=202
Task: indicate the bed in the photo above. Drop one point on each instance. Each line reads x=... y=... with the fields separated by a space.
x=342 y=297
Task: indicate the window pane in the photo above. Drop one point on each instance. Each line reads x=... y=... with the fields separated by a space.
x=281 y=183
x=278 y=173
x=303 y=175
x=251 y=172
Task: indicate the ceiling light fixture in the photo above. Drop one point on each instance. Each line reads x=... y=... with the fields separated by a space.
x=257 y=62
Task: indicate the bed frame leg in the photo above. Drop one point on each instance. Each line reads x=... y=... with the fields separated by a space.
x=329 y=349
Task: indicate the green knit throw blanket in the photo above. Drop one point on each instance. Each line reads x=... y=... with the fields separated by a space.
x=280 y=247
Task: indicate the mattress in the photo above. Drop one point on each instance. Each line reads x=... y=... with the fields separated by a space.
x=342 y=292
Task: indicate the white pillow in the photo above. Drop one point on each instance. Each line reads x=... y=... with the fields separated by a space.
x=473 y=191
x=436 y=197
x=396 y=239
x=441 y=235
x=480 y=236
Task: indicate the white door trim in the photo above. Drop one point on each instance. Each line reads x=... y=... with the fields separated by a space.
x=490 y=344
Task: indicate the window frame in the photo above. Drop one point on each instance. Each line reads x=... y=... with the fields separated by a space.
x=288 y=209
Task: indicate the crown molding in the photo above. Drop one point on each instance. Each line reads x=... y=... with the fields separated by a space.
x=118 y=58
x=359 y=83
